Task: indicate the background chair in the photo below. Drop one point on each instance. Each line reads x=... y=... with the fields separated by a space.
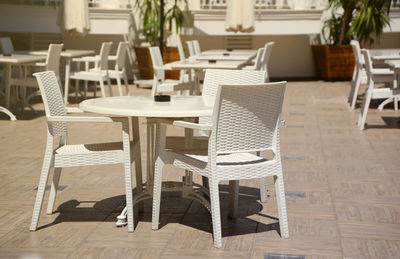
x=196 y=47
x=160 y=84
x=376 y=76
x=359 y=74
x=265 y=59
x=254 y=128
x=119 y=68
x=190 y=47
x=97 y=74
x=66 y=155
x=257 y=61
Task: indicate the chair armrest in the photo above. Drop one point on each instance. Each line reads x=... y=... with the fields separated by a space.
x=192 y=125
x=112 y=58
x=73 y=110
x=85 y=119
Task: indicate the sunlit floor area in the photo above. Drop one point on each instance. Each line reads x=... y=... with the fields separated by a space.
x=342 y=190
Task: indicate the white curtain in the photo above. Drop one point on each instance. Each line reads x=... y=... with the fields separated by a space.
x=73 y=17
x=240 y=16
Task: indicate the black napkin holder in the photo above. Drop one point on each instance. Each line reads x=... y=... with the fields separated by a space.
x=162 y=98
x=229 y=49
x=226 y=54
x=212 y=61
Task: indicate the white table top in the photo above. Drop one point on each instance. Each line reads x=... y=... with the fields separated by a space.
x=233 y=52
x=384 y=54
x=191 y=64
x=393 y=64
x=20 y=58
x=145 y=106
x=68 y=53
x=226 y=57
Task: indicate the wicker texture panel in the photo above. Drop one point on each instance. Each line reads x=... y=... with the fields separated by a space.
x=248 y=117
x=54 y=104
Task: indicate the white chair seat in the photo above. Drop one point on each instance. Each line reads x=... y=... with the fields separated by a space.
x=94 y=154
x=238 y=159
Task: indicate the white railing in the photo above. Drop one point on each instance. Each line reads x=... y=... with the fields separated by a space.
x=270 y=4
x=92 y=3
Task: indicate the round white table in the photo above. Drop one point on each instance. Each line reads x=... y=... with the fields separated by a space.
x=145 y=106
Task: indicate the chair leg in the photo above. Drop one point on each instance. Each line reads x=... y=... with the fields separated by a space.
x=364 y=107
x=53 y=190
x=215 y=213
x=109 y=85
x=281 y=200
x=388 y=100
x=103 y=92
x=119 y=85
x=128 y=176
x=263 y=189
x=76 y=88
x=42 y=183
x=355 y=90
x=159 y=165
x=233 y=198
x=126 y=83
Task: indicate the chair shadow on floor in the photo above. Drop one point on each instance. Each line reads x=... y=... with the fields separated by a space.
x=176 y=209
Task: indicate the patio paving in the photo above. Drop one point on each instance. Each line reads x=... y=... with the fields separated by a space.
x=342 y=184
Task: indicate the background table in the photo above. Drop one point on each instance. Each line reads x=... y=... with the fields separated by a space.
x=15 y=59
x=232 y=52
x=379 y=56
x=198 y=66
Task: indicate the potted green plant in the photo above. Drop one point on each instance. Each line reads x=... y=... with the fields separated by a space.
x=350 y=19
x=158 y=18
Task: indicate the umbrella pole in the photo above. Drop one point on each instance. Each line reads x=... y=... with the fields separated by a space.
x=162 y=26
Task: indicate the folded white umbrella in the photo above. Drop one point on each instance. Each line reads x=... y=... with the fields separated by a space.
x=73 y=17
x=240 y=16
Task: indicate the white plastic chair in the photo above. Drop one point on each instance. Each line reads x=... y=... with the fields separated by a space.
x=119 y=69
x=190 y=47
x=376 y=76
x=254 y=128
x=160 y=84
x=6 y=45
x=359 y=74
x=265 y=59
x=66 y=155
x=98 y=74
x=196 y=47
x=52 y=63
x=257 y=61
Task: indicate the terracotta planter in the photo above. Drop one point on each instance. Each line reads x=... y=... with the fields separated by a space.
x=333 y=62
x=146 y=66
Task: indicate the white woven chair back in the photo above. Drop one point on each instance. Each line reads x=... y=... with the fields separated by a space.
x=215 y=77
x=6 y=45
x=359 y=59
x=258 y=59
x=180 y=50
x=190 y=48
x=156 y=58
x=104 y=52
x=246 y=117
x=196 y=47
x=53 y=58
x=52 y=100
x=267 y=54
x=121 y=53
